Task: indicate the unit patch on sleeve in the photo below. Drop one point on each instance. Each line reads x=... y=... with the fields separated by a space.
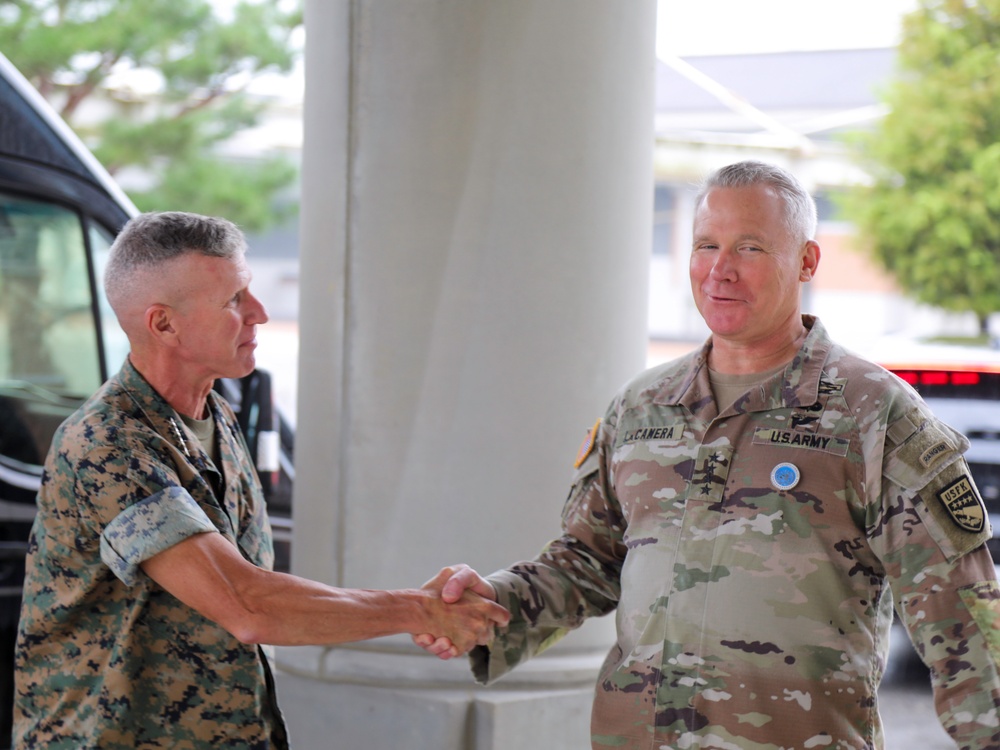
x=963 y=504
x=587 y=446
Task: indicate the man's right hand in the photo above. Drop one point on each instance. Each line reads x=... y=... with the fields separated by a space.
x=459 y=586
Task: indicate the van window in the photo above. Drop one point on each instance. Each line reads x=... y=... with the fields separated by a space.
x=116 y=346
x=49 y=358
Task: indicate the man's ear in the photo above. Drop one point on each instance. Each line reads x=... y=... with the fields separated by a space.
x=810 y=261
x=159 y=321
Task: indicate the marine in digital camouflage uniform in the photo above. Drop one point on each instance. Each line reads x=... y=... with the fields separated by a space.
x=747 y=611
x=149 y=578
x=105 y=657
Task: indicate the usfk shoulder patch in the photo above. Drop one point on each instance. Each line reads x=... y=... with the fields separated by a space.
x=963 y=504
x=587 y=446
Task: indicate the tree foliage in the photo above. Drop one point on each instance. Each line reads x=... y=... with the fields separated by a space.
x=932 y=213
x=201 y=59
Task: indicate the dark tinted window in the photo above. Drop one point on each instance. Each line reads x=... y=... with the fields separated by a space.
x=49 y=356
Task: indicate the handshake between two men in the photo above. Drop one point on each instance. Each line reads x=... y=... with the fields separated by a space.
x=470 y=614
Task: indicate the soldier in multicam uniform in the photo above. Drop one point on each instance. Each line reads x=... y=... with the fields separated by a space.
x=747 y=508
x=148 y=586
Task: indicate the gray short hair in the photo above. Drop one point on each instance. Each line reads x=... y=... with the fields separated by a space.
x=151 y=239
x=800 y=208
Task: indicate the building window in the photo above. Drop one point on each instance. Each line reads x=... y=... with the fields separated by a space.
x=828 y=206
x=664 y=219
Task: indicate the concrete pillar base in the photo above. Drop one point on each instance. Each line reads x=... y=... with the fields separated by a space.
x=388 y=694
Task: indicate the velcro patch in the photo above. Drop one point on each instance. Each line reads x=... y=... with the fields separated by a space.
x=798 y=439
x=963 y=504
x=932 y=454
x=673 y=432
x=587 y=446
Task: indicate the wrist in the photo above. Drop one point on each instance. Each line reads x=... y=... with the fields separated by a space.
x=420 y=617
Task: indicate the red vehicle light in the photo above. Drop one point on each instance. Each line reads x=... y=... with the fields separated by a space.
x=965 y=378
x=969 y=381
x=939 y=377
x=935 y=378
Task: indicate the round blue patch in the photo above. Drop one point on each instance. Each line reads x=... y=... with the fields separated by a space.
x=784 y=476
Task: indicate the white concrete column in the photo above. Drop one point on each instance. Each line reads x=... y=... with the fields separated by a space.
x=477 y=196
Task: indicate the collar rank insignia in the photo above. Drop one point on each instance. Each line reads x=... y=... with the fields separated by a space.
x=587 y=446
x=963 y=504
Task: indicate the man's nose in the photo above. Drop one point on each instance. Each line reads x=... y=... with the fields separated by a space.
x=724 y=267
x=258 y=313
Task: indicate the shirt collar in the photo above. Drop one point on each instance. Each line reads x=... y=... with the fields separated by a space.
x=161 y=417
x=686 y=383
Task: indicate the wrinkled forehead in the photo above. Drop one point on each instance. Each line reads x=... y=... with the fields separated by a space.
x=758 y=206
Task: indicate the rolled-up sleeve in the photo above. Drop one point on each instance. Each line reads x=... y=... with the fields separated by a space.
x=149 y=527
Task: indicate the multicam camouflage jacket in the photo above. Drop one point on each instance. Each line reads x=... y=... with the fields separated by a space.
x=105 y=658
x=750 y=553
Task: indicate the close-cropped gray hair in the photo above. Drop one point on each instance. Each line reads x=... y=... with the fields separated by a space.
x=800 y=208
x=151 y=239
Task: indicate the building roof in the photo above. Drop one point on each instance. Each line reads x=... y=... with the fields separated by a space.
x=794 y=88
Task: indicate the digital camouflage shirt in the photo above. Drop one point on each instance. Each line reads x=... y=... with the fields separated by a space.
x=105 y=658
x=750 y=553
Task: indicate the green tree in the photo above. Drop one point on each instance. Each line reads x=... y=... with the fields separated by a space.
x=931 y=214
x=201 y=58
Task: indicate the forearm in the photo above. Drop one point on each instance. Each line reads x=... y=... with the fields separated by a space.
x=208 y=574
x=547 y=598
x=965 y=677
x=954 y=619
x=285 y=610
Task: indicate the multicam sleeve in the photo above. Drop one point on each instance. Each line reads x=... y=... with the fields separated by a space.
x=575 y=577
x=944 y=579
x=954 y=622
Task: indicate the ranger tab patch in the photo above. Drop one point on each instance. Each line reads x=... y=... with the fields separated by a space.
x=587 y=447
x=963 y=504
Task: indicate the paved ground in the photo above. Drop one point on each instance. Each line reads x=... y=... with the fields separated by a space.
x=906 y=704
x=909 y=718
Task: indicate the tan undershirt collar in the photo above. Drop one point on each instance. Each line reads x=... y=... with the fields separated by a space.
x=727 y=388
